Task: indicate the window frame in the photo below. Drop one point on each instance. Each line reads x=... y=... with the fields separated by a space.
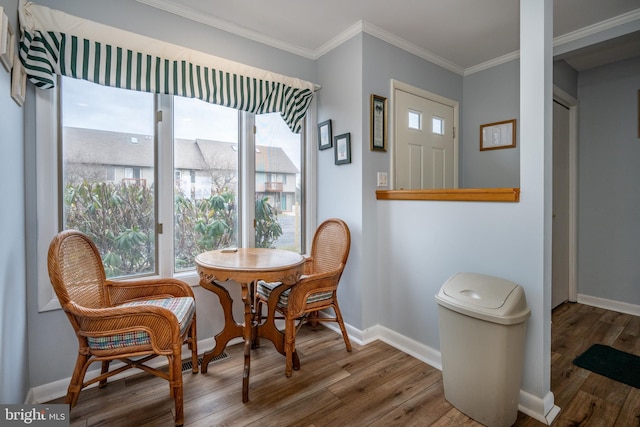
x=48 y=170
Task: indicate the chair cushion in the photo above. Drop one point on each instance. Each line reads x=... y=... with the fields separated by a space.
x=182 y=307
x=265 y=289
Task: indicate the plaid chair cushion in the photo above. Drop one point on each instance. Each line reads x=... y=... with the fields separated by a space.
x=265 y=289
x=182 y=307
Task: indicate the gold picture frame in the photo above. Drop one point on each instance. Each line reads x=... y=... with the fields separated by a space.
x=498 y=135
x=378 y=123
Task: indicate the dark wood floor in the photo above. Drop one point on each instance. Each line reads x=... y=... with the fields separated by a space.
x=586 y=398
x=375 y=385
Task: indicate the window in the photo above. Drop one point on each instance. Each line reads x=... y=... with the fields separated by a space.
x=205 y=201
x=278 y=175
x=155 y=189
x=104 y=128
x=437 y=125
x=415 y=120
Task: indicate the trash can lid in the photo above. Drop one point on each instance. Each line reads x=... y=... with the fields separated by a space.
x=485 y=297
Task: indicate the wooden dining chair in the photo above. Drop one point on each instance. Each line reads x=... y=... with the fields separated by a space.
x=316 y=290
x=127 y=321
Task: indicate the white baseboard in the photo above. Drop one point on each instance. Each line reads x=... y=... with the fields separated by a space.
x=542 y=409
x=620 y=307
x=418 y=350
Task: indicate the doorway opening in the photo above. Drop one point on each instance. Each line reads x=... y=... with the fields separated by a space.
x=565 y=198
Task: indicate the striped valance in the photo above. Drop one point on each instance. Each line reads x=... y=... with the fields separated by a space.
x=81 y=51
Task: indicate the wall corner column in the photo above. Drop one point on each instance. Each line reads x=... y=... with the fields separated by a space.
x=536 y=101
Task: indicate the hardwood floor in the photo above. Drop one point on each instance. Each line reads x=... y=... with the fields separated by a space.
x=587 y=398
x=375 y=385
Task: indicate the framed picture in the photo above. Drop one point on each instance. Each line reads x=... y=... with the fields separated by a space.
x=342 y=148
x=324 y=135
x=498 y=135
x=378 y=123
x=7 y=42
x=18 y=82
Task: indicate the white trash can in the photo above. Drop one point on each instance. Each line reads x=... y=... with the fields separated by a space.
x=482 y=335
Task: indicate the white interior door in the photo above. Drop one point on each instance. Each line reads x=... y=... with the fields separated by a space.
x=424 y=143
x=561 y=190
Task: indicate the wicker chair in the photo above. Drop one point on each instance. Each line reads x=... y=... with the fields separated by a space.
x=316 y=290
x=132 y=321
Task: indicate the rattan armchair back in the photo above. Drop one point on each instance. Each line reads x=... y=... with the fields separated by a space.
x=76 y=272
x=330 y=247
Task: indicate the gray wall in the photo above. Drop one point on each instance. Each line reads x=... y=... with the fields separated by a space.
x=484 y=97
x=421 y=244
x=349 y=74
x=490 y=96
x=14 y=375
x=609 y=200
x=381 y=63
x=565 y=77
x=340 y=186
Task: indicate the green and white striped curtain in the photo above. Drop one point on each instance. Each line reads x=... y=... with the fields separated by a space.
x=53 y=43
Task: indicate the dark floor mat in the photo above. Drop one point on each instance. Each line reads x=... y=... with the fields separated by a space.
x=611 y=363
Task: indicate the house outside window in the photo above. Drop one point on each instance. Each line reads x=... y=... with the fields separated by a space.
x=124 y=173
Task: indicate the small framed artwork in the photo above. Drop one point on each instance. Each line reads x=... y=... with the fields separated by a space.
x=324 y=135
x=7 y=41
x=342 y=147
x=498 y=135
x=378 y=123
x=18 y=82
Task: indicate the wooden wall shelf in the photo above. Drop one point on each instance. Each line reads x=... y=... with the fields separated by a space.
x=458 y=195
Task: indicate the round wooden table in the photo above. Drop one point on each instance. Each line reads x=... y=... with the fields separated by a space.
x=245 y=266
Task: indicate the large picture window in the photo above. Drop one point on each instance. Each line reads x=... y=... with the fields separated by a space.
x=156 y=179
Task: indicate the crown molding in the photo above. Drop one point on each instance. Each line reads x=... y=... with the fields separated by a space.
x=411 y=48
x=353 y=30
x=366 y=27
x=608 y=24
x=598 y=27
x=360 y=26
x=221 y=24
x=492 y=63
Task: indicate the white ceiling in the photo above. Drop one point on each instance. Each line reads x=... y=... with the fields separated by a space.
x=458 y=34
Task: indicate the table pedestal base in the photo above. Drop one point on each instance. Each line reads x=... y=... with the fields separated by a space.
x=232 y=330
